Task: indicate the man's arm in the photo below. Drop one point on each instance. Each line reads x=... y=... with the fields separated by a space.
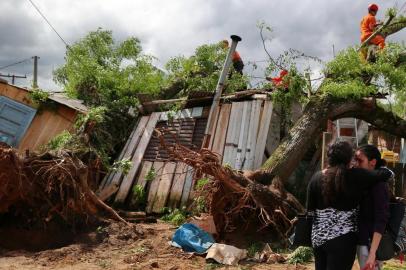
x=376 y=239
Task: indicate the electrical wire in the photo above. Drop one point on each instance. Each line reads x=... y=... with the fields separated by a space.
x=16 y=63
x=43 y=16
x=402 y=7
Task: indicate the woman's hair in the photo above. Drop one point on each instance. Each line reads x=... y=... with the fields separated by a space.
x=372 y=152
x=339 y=156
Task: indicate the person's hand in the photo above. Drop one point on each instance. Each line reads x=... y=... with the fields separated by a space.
x=370 y=263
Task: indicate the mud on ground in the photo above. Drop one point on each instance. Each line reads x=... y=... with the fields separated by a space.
x=143 y=246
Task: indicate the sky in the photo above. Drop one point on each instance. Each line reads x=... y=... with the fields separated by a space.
x=171 y=28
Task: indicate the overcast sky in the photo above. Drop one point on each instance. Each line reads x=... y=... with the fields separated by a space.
x=177 y=27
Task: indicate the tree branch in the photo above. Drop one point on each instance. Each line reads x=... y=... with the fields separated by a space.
x=396 y=25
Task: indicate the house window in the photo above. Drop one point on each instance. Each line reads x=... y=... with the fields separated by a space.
x=15 y=119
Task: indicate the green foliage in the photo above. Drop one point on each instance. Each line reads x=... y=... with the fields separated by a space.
x=108 y=74
x=139 y=196
x=348 y=89
x=392 y=265
x=176 y=216
x=349 y=76
x=95 y=115
x=39 y=96
x=201 y=71
x=173 y=111
x=301 y=255
x=124 y=165
x=150 y=175
x=296 y=83
x=295 y=80
x=391 y=12
x=99 y=70
x=41 y=100
x=95 y=126
x=199 y=203
x=254 y=248
x=60 y=140
x=201 y=183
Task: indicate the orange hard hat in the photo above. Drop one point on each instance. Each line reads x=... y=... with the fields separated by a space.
x=373 y=7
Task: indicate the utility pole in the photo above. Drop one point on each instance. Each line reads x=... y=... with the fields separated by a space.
x=12 y=76
x=35 y=75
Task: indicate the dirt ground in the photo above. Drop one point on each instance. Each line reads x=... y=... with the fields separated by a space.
x=143 y=247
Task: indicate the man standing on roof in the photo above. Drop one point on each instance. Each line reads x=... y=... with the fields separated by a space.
x=368 y=26
x=237 y=60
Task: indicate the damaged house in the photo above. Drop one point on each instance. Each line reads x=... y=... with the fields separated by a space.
x=246 y=131
x=26 y=125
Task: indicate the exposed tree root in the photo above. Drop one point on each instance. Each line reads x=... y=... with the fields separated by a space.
x=236 y=198
x=49 y=186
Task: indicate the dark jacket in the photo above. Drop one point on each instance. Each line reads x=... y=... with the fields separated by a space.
x=374 y=213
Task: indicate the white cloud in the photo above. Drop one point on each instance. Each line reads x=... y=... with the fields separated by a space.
x=170 y=28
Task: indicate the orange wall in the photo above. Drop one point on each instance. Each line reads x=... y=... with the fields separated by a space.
x=46 y=123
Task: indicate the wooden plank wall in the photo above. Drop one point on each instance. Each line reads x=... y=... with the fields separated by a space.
x=46 y=123
x=136 y=159
x=246 y=135
x=171 y=187
x=173 y=181
x=264 y=125
x=240 y=134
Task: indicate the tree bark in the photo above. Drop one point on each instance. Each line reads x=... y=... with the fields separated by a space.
x=314 y=119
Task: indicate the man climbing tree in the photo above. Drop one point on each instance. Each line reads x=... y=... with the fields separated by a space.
x=368 y=26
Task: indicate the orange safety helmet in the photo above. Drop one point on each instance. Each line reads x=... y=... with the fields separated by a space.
x=373 y=7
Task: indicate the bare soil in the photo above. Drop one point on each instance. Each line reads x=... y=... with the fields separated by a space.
x=143 y=246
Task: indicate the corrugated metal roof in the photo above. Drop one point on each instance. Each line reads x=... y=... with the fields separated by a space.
x=60 y=98
x=75 y=104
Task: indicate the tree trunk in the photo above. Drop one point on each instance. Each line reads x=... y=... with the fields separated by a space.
x=290 y=152
x=314 y=119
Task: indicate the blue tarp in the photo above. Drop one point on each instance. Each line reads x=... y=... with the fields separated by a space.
x=192 y=239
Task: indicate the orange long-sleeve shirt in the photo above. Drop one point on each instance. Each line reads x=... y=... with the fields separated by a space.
x=368 y=24
x=236 y=56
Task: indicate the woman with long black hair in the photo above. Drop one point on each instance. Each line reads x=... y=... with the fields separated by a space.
x=333 y=197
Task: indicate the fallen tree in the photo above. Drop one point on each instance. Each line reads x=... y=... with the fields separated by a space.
x=350 y=89
x=49 y=187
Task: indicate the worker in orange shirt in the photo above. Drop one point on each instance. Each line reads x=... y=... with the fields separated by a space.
x=238 y=64
x=280 y=82
x=368 y=26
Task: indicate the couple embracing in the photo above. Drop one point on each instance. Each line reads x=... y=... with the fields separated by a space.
x=350 y=201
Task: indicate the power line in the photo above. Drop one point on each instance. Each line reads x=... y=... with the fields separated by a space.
x=43 y=16
x=16 y=63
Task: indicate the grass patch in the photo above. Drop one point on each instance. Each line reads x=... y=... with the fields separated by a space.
x=301 y=255
x=176 y=216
